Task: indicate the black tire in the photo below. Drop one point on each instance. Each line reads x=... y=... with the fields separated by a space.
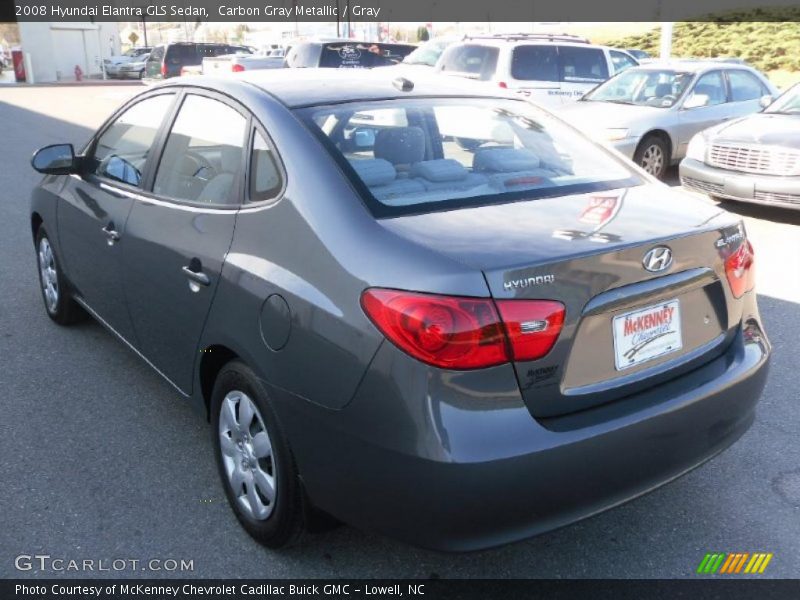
x=286 y=523
x=65 y=311
x=647 y=156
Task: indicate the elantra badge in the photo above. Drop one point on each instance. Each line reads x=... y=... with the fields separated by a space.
x=657 y=259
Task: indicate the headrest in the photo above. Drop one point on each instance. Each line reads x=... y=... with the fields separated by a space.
x=504 y=160
x=400 y=145
x=230 y=159
x=443 y=169
x=374 y=171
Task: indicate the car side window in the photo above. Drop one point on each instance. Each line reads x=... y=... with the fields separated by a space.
x=202 y=160
x=265 y=177
x=621 y=61
x=712 y=86
x=745 y=86
x=535 y=63
x=121 y=151
x=579 y=65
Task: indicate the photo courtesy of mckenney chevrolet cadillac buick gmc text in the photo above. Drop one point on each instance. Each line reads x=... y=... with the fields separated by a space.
x=428 y=310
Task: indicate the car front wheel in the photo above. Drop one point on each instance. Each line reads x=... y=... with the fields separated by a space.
x=652 y=155
x=254 y=460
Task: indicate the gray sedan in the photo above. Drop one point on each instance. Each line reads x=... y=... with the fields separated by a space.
x=754 y=159
x=650 y=112
x=459 y=347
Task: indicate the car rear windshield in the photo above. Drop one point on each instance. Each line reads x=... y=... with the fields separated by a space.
x=568 y=64
x=423 y=155
x=358 y=55
x=470 y=60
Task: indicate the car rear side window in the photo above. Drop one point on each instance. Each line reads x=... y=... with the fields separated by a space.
x=580 y=65
x=265 y=177
x=157 y=54
x=535 y=63
x=471 y=60
x=745 y=86
x=202 y=160
x=122 y=150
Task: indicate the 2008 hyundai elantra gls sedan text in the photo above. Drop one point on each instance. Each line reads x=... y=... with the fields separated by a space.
x=421 y=308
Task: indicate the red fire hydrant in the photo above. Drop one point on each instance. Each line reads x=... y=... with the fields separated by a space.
x=78 y=73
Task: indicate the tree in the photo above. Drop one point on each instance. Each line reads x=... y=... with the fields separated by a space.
x=422 y=34
x=133 y=38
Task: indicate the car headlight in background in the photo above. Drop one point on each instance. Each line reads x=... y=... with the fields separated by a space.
x=614 y=134
x=697 y=148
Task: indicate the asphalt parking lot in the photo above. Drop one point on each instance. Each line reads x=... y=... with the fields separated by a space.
x=100 y=459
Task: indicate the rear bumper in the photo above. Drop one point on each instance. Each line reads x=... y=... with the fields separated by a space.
x=744 y=187
x=477 y=472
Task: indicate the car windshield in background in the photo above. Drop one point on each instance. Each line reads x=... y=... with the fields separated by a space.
x=434 y=154
x=362 y=55
x=787 y=104
x=644 y=87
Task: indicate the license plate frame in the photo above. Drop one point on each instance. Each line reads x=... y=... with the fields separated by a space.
x=645 y=334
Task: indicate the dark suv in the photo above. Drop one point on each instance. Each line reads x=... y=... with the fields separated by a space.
x=168 y=60
x=343 y=54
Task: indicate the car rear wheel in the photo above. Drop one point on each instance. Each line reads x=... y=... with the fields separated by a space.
x=652 y=156
x=57 y=296
x=254 y=460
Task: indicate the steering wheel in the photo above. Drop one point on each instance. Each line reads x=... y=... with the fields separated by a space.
x=198 y=163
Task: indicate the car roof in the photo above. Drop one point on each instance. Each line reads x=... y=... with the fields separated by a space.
x=691 y=65
x=514 y=40
x=310 y=87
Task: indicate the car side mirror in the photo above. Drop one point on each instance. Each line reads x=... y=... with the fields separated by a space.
x=696 y=101
x=765 y=101
x=58 y=159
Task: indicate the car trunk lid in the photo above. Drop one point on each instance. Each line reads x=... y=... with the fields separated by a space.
x=587 y=252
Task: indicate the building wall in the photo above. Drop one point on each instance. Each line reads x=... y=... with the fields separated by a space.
x=56 y=48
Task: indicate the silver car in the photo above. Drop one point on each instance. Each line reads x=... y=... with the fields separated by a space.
x=134 y=69
x=649 y=113
x=753 y=159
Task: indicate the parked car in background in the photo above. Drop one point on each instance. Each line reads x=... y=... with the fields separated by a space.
x=169 y=60
x=494 y=369
x=236 y=63
x=428 y=53
x=113 y=64
x=345 y=54
x=753 y=159
x=134 y=69
x=548 y=69
x=650 y=112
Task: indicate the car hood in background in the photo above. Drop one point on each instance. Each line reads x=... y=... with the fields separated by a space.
x=537 y=231
x=761 y=128
x=589 y=116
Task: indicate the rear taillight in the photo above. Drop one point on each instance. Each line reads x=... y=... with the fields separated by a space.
x=532 y=326
x=163 y=69
x=237 y=68
x=502 y=84
x=739 y=269
x=464 y=333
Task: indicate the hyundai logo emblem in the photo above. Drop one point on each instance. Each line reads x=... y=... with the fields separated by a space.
x=657 y=259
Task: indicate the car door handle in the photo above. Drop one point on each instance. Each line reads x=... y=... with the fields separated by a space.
x=196 y=276
x=111 y=234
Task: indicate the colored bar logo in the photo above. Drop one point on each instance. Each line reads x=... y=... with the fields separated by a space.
x=734 y=563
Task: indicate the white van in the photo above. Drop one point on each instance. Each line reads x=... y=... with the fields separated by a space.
x=549 y=69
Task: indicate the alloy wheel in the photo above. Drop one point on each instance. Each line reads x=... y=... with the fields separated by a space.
x=653 y=160
x=247 y=455
x=48 y=275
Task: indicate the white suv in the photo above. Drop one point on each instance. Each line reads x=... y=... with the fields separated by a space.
x=549 y=69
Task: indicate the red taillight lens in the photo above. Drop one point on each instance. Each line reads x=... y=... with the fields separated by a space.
x=164 y=69
x=464 y=333
x=739 y=269
x=502 y=84
x=533 y=326
x=237 y=68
